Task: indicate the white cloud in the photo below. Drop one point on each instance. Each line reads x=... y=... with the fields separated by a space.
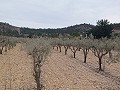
x=58 y=13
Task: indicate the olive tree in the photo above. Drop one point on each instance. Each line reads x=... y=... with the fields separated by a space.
x=66 y=45
x=114 y=54
x=60 y=44
x=85 y=45
x=74 y=46
x=2 y=44
x=54 y=43
x=39 y=49
x=100 y=48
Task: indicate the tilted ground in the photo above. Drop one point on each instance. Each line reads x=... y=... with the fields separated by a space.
x=59 y=72
x=62 y=72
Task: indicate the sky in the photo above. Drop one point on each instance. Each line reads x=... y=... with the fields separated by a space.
x=58 y=13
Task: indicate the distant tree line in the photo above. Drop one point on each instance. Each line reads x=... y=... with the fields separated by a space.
x=8 y=32
x=75 y=30
x=102 y=29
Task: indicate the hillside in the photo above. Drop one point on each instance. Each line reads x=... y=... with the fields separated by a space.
x=75 y=30
x=9 y=30
x=72 y=30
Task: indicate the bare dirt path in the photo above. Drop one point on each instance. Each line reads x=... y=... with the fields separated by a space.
x=15 y=70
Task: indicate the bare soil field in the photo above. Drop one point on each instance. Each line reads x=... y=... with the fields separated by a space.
x=62 y=72
x=59 y=72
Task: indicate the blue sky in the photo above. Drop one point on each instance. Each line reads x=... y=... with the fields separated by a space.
x=58 y=13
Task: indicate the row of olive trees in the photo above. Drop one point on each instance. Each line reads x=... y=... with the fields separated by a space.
x=6 y=43
x=39 y=50
x=99 y=47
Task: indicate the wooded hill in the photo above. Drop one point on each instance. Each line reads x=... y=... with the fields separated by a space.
x=75 y=30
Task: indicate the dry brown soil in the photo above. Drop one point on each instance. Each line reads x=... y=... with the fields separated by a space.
x=15 y=70
x=59 y=72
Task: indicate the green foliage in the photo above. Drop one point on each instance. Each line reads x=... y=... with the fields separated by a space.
x=85 y=45
x=36 y=43
x=39 y=49
x=6 y=43
x=102 y=29
x=72 y=31
x=8 y=32
x=99 y=47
